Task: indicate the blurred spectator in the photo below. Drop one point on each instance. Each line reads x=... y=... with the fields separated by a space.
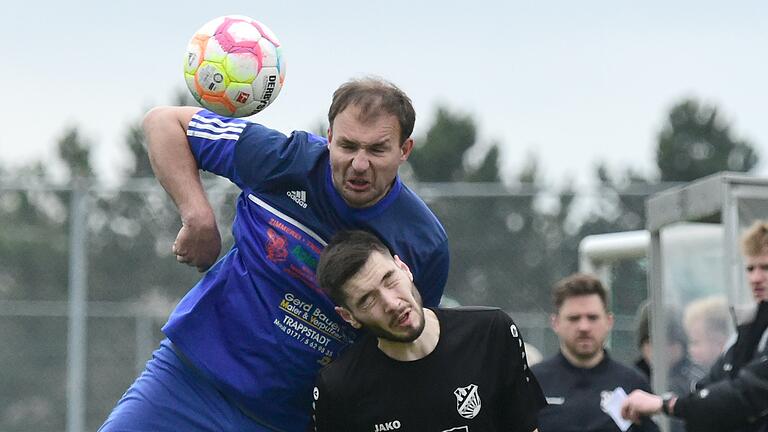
x=576 y=380
x=707 y=324
x=733 y=397
x=683 y=373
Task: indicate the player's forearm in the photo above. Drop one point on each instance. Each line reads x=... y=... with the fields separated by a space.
x=173 y=163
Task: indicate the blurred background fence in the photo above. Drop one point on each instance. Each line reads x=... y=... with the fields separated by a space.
x=87 y=279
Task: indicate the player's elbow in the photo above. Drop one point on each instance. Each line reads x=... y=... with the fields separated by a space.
x=165 y=123
x=156 y=118
x=153 y=121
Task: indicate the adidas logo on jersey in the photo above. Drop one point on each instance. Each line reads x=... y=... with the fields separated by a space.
x=299 y=197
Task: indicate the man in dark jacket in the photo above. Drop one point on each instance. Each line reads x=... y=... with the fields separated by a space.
x=579 y=379
x=734 y=396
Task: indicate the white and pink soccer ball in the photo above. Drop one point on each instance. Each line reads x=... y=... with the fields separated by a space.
x=234 y=66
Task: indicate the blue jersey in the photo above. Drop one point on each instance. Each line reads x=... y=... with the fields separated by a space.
x=257 y=324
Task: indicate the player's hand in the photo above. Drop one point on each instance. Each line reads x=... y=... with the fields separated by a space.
x=639 y=404
x=198 y=244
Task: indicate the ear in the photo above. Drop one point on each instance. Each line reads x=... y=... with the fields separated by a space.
x=406 y=149
x=330 y=135
x=403 y=266
x=553 y=322
x=610 y=321
x=347 y=316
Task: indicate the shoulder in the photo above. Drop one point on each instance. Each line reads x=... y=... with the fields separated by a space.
x=257 y=137
x=546 y=365
x=410 y=207
x=552 y=374
x=342 y=369
x=475 y=315
x=480 y=324
x=630 y=375
x=624 y=369
x=263 y=154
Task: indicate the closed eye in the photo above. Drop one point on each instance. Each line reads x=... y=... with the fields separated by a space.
x=367 y=302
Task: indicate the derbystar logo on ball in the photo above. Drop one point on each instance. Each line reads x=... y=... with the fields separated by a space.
x=234 y=66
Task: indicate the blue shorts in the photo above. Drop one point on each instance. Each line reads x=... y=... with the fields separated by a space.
x=169 y=396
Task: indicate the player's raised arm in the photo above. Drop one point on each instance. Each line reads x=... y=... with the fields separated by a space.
x=198 y=242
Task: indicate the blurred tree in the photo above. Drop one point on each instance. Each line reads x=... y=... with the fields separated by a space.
x=488 y=170
x=74 y=151
x=619 y=206
x=33 y=267
x=134 y=141
x=696 y=141
x=501 y=242
x=131 y=230
x=441 y=155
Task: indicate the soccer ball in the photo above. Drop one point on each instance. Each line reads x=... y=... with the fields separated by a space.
x=234 y=66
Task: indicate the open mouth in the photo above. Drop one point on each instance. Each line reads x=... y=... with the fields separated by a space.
x=403 y=318
x=358 y=184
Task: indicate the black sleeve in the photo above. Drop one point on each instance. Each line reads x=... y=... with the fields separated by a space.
x=728 y=403
x=715 y=372
x=325 y=408
x=523 y=396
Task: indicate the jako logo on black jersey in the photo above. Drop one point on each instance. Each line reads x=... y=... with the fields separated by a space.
x=388 y=426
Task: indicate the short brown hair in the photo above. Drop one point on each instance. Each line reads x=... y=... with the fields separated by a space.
x=374 y=96
x=754 y=242
x=343 y=257
x=575 y=285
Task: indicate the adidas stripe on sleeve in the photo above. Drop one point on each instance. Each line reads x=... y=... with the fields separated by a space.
x=207 y=126
x=212 y=140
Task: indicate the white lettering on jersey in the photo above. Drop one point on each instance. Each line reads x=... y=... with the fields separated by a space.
x=556 y=400
x=388 y=426
x=513 y=330
x=287 y=218
x=458 y=429
x=467 y=401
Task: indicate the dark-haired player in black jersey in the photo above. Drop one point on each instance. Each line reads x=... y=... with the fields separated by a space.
x=417 y=369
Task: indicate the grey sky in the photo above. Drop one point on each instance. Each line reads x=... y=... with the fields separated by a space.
x=572 y=82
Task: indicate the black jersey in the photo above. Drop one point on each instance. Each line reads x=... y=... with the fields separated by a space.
x=476 y=379
x=574 y=395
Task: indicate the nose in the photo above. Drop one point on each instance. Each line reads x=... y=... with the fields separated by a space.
x=583 y=325
x=360 y=162
x=390 y=301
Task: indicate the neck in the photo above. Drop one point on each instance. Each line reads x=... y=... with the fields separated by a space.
x=418 y=348
x=584 y=363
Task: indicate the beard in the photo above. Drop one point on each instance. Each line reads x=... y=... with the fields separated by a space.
x=582 y=350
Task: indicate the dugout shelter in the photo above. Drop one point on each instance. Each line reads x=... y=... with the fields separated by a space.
x=694 y=252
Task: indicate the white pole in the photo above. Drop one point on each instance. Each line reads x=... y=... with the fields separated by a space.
x=77 y=309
